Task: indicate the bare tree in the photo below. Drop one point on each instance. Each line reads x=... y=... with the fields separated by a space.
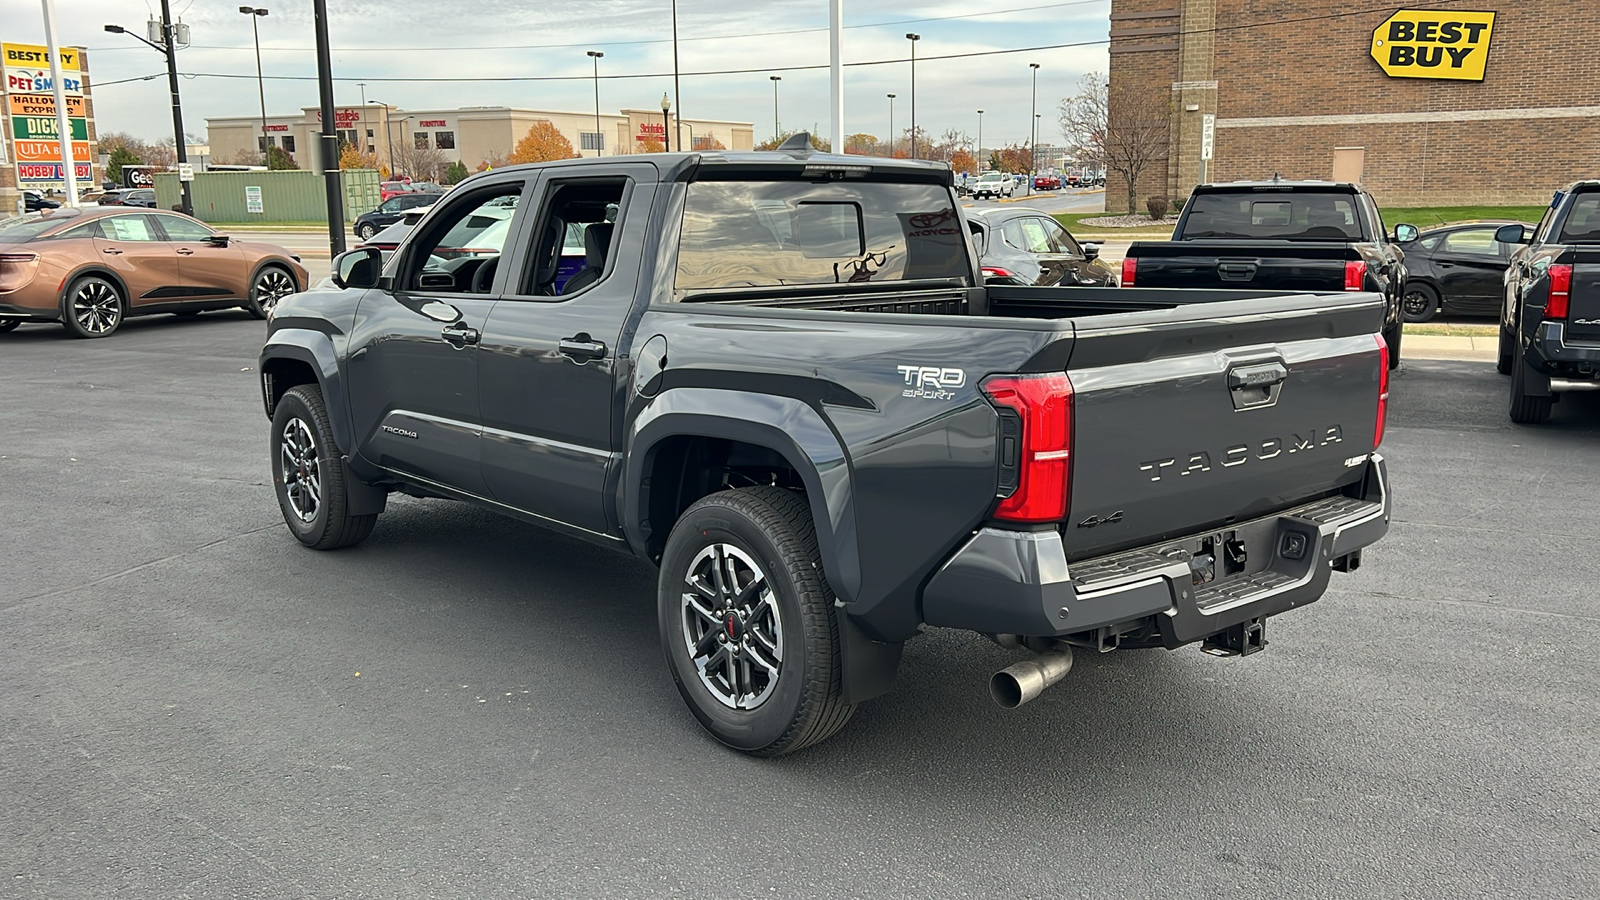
x=421 y=163
x=1121 y=129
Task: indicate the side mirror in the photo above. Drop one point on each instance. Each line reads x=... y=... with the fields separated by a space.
x=358 y=268
x=218 y=240
x=1090 y=251
x=1405 y=234
x=1512 y=234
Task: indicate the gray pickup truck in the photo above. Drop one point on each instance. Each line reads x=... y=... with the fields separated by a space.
x=780 y=378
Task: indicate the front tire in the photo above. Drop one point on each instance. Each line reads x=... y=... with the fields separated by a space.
x=270 y=285
x=1420 y=303
x=308 y=474
x=1508 y=352
x=92 y=307
x=748 y=623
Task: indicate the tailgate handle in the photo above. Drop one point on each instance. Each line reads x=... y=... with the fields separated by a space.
x=1236 y=271
x=1257 y=385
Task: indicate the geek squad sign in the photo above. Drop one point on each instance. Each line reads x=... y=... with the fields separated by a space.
x=1421 y=43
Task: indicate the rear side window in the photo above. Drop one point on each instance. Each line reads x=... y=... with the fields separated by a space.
x=1292 y=216
x=741 y=234
x=1583 y=221
x=22 y=228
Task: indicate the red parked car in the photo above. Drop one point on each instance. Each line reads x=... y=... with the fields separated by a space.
x=1046 y=183
x=393 y=188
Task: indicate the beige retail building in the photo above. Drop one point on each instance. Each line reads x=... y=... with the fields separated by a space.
x=471 y=135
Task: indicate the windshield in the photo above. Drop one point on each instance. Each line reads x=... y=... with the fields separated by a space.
x=1291 y=216
x=759 y=233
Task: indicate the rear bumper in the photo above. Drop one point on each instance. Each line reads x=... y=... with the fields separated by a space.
x=1571 y=365
x=1019 y=582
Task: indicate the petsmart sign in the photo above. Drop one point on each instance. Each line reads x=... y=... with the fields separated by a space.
x=1421 y=43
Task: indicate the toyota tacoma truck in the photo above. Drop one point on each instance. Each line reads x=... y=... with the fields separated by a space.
x=780 y=378
x=1280 y=235
x=1550 y=321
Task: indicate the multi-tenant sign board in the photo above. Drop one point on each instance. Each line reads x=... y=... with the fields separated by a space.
x=1421 y=43
x=39 y=128
x=33 y=56
x=42 y=105
x=33 y=138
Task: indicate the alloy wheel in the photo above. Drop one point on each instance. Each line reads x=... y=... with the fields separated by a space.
x=1416 y=303
x=302 y=473
x=272 y=285
x=96 y=307
x=732 y=629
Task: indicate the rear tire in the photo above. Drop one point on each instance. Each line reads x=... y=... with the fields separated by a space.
x=92 y=308
x=1420 y=303
x=748 y=624
x=1508 y=352
x=9 y=325
x=1526 y=409
x=308 y=474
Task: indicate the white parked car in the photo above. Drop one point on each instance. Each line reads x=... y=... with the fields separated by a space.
x=993 y=184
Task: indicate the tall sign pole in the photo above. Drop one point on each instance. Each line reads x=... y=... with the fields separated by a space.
x=69 y=168
x=329 y=139
x=836 y=73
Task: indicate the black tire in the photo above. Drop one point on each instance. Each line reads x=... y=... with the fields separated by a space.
x=92 y=307
x=270 y=284
x=1508 y=352
x=365 y=231
x=1420 y=303
x=793 y=698
x=1526 y=409
x=312 y=498
x=9 y=325
x=1392 y=339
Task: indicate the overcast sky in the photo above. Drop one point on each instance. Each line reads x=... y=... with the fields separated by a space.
x=391 y=39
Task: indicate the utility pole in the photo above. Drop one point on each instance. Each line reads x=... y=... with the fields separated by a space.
x=1033 y=128
x=981 y=164
x=599 y=135
x=775 y=80
x=169 y=48
x=329 y=139
x=676 y=100
x=913 y=38
x=891 y=123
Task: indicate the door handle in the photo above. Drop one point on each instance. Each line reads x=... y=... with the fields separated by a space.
x=582 y=348
x=113 y=251
x=459 y=335
x=185 y=251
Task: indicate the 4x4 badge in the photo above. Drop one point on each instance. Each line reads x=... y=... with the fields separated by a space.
x=1093 y=521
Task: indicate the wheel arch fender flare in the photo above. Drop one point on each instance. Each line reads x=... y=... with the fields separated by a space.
x=277 y=262
x=101 y=272
x=784 y=425
x=315 y=350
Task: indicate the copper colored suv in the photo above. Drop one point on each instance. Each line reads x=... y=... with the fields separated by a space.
x=92 y=267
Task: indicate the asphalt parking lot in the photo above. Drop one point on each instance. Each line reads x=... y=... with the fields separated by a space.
x=191 y=705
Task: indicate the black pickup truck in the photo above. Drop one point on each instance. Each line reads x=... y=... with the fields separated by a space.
x=780 y=378
x=1280 y=235
x=1550 y=321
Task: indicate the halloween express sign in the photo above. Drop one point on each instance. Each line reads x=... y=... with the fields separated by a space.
x=1421 y=43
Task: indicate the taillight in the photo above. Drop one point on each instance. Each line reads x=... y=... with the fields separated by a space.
x=1043 y=450
x=1355 y=275
x=1129 y=266
x=1383 y=391
x=17 y=270
x=996 y=272
x=1560 y=276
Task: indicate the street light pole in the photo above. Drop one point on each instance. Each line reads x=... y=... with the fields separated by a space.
x=891 y=124
x=775 y=80
x=388 y=133
x=676 y=98
x=666 y=120
x=169 y=48
x=913 y=38
x=980 y=141
x=255 y=13
x=599 y=135
x=328 y=140
x=1033 y=125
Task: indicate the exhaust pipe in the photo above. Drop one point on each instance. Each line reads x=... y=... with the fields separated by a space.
x=1018 y=683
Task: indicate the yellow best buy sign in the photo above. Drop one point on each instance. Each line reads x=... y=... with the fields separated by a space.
x=1421 y=43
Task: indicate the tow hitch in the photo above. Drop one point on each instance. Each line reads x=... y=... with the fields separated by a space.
x=1243 y=639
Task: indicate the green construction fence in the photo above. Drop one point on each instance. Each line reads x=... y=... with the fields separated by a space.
x=285 y=196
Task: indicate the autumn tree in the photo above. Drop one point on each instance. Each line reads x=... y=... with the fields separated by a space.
x=350 y=157
x=963 y=162
x=651 y=145
x=863 y=144
x=1121 y=129
x=820 y=144
x=494 y=161
x=421 y=163
x=709 y=142
x=543 y=143
x=1013 y=159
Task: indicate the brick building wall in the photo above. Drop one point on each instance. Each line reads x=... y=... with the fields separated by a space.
x=1291 y=80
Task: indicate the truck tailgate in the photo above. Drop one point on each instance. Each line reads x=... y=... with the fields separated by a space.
x=1583 y=311
x=1279 y=265
x=1195 y=417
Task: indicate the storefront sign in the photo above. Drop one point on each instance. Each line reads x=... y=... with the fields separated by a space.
x=1420 y=43
x=343 y=117
x=650 y=131
x=50 y=171
x=39 y=128
x=431 y=123
x=42 y=105
x=277 y=128
x=48 y=151
x=34 y=56
x=38 y=81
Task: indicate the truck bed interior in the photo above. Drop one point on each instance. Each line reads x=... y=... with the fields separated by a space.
x=1013 y=302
